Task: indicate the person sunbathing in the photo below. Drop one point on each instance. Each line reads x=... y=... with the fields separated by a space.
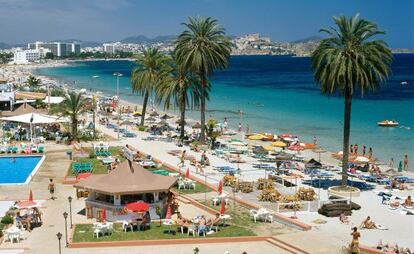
x=408 y=202
x=368 y=224
x=343 y=219
x=394 y=204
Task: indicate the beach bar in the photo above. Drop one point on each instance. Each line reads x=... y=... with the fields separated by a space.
x=129 y=182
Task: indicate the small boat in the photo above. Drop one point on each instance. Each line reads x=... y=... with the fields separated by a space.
x=96 y=76
x=388 y=123
x=404 y=83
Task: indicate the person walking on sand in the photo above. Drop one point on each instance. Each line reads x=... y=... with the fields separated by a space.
x=370 y=152
x=182 y=159
x=391 y=163
x=240 y=127
x=354 y=246
x=51 y=187
x=406 y=162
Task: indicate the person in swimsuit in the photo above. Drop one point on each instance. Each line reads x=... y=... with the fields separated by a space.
x=406 y=162
x=354 y=246
x=51 y=187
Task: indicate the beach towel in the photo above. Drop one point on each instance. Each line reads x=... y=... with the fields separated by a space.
x=381 y=227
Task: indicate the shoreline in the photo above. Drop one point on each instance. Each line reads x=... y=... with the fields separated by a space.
x=31 y=70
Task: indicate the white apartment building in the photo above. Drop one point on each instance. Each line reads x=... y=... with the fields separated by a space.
x=26 y=56
x=58 y=49
x=111 y=47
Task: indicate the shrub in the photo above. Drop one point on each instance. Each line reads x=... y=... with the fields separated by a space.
x=142 y=128
x=92 y=154
x=7 y=220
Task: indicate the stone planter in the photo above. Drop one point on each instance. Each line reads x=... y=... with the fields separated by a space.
x=346 y=193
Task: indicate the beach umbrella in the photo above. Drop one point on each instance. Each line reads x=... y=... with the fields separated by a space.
x=279 y=144
x=162 y=123
x=220 y=187
x=82 y=176
x=268 y=148
x=287 y=135
x=256 y=137
x=135 y=207
x=169 y=213
x=31 y=196
x=104 y=215
x=165 y=117
x=197 y=125
x=154 y=114
x=151 y=119
x=223 y=207
x=26 y=204
x=187 y=173
x=296 y=148
x=361 y=159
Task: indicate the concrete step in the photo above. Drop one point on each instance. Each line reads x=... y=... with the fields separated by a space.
x=285 y=246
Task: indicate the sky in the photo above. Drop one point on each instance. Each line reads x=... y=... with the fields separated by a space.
x=22 y=21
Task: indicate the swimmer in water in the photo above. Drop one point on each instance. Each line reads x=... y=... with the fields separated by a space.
x=13 y=160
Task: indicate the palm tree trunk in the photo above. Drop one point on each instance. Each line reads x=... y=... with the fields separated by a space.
x=74 y=128
x=144 y=107
x=347 y=129
x=182 y=120
x=203 y=108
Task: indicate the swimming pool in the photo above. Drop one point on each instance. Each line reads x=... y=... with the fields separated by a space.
x=18 y=170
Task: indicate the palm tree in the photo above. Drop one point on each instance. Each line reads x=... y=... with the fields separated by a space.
x=180 y=89
x=72 y=107
x=32 y=81
x=348 y=61
x=203 y=48
x=148 y=73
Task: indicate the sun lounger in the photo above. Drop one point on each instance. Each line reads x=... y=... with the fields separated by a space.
x=129 y=135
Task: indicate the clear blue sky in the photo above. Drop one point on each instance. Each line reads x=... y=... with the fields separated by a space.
x=108 y=20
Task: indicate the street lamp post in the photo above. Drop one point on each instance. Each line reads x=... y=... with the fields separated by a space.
x=117 y=74
x=59 y=236
x=70 y=210
x=65 y=215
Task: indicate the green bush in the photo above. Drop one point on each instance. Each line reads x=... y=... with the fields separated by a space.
x=142 y=128
x=92 y=154
x=7 y=220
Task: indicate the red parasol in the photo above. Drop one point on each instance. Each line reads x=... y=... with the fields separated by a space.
x=296 y=148
x=136 y=207
x=168 y=215
x=104 y=215
x=187 y=173
x=223 y=207
x=286 y=135
x=220 y=187
x=83 y=176
x=31 y=196
x=26 y=204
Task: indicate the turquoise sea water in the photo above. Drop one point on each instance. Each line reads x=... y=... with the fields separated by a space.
x=278 y=94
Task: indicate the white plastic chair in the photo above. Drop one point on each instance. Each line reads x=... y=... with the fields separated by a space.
x=269 y=218
x=126 y=225
x=181 y=185
x=191 y=230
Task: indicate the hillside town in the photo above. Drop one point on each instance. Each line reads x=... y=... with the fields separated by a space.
x=250 y=44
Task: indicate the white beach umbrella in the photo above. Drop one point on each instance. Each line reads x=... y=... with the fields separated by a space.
x=34 y=118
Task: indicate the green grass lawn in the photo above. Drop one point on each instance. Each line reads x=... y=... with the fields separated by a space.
x=200 y=188
x=84 y=233
x=98 y=166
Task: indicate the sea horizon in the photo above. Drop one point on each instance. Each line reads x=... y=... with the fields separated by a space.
x=277 y=94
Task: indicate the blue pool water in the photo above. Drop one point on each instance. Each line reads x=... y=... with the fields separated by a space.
x=17 y=170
